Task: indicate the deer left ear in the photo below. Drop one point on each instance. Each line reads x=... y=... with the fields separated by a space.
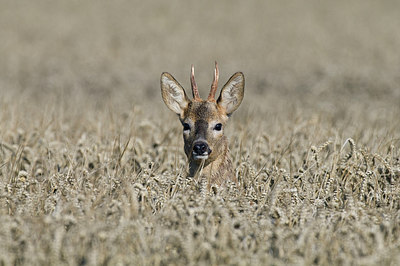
x=173 y=94
x=232 y=93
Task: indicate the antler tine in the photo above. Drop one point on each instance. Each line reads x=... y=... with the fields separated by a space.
x=214 y=85
x=195 y=91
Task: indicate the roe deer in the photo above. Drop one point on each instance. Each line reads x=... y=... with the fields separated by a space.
x=203 y=124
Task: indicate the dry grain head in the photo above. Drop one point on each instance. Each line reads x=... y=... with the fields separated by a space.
x=203 y=123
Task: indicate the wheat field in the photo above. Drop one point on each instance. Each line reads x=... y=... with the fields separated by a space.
x=92 y=168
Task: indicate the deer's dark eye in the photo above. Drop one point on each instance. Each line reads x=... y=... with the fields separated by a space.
x=186 y=126
x=218 y=127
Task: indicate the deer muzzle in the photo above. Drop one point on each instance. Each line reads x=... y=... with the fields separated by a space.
x=201 y=150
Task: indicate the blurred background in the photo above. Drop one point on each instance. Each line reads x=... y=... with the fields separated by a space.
x=91 y=160
x=328 y=60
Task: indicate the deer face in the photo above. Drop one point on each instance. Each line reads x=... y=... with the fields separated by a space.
x=203 y=125
x=203 y=121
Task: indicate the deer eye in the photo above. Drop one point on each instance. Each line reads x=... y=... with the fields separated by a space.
x=186 y=126
x=218 y=127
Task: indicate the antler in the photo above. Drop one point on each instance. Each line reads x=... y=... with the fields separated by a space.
x=195 y=91
x=211 y=96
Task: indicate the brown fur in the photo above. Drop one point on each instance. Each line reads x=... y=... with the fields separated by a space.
x=202 y=116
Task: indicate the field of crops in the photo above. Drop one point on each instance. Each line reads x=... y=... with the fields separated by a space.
x=92 y=168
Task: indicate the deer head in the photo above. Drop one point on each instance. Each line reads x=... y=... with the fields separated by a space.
x=203 y=121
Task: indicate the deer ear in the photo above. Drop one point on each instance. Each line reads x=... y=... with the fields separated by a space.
x=173 y=94
x=232 y=93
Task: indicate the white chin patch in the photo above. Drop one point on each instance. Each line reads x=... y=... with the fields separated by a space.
x=200 y=157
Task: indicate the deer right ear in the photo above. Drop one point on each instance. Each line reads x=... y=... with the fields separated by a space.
x=232 y=93
x=173 y=94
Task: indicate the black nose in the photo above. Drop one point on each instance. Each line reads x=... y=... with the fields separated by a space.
x=200 y=148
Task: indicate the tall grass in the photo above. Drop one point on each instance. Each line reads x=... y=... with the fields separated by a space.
x=92 y=169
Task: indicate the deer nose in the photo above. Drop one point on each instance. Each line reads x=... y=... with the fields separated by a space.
x=201 y=148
